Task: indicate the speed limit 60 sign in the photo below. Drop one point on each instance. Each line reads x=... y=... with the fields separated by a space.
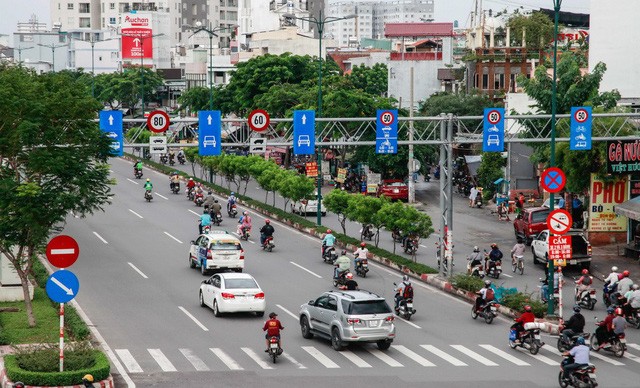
x=259 y=120
x=158 y=121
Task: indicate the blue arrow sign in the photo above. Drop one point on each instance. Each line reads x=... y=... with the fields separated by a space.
x=493 y=130
x=304 y=132
x=209 y=139
x=62 y=286
x=580 y=128
x=386 y=131
x=111 y=124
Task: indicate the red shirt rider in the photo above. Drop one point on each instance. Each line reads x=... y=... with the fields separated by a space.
x=272 y=326
x=526 y=317
x=191 y=184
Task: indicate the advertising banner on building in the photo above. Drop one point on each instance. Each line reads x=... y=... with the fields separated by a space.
x=604 y=197
x=623 y=157
x=137 y=41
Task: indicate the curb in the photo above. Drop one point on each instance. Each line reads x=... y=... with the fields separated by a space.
x=6 y=383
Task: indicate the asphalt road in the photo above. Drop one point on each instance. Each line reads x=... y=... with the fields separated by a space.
x=141 y=296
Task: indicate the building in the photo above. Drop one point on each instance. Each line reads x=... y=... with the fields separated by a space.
x=42 y=50
x=95 y=51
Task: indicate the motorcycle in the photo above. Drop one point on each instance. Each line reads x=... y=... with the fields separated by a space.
x=181 y=159
x=190 y=193
x=199 y=199
x=607 y=292
x=274 y=348
x=529 y=338
x=616 y=343
x=148 y=196
x=586 y=298
x=427 y=177
x=268 y=244
x=367 y=232
x=163 y=159
x=206 y=229
x=362 y=267
x=216 y=218
x=545 y=298
x=232 y=211
x=329 y=254
x=244 y=233
x=478 y=202
x=172 y=160
x=495 y=270
x=397 y=236
x=517 y=263
x=487 y=312
x=137 y=173
x=583 y=377
x=564 y=345
x=476 y=270
x=341 y=280
x=634 y=319
x=411 y=246
x=175 y=187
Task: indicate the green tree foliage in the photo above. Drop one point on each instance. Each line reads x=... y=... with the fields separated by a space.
x=195 y=99
x=457 y=104
x=400 y=217
x=53 y=160
x=371 y=80
x=538 y=27
x=366 y=210
x=295 y=187
x=337 y=201
x=490 y=170
x=123 y=89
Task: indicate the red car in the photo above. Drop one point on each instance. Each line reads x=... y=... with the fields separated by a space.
x=394 y=189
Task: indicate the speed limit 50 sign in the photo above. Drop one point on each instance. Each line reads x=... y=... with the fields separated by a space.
x=158 y=121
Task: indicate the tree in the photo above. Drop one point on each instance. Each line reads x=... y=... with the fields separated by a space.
x=195 y=99
x=371 y=80
x=489 y=171
x=365 y=210
x=270 y=180
x=53 y=161
x=117 y=89
x=538 y=29
x=337 y=201
x=295 y=187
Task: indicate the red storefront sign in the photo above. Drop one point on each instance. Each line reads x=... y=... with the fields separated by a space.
x=312 y=169
x=137 y=41
x=560 y=248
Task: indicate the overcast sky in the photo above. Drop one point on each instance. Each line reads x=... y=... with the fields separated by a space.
x=14 y=11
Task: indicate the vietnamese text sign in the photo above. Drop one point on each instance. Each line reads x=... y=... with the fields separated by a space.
x=604 y=197
x=580 y=128
x=623 y=157
x=137 y=41
x=342 y=175
x=387 y=131
x=560 y=247
x=311 y=169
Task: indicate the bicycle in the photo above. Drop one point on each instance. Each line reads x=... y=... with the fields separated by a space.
x=517 y=263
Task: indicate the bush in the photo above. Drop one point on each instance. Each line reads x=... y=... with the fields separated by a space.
x=467 y=282
x=517 y=301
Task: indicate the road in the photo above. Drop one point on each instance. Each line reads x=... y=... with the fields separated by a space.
x=141 y=296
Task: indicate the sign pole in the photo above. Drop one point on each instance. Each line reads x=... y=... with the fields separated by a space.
x=559 y=291
x=61 y=337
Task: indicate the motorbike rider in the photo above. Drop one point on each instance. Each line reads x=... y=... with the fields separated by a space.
x=342 y=265
x=328 y=241
x=266 y=231
x=574 y=325
x=216 y=209
x=205 y=220
x=174 y=180
x=231 y=200
x=360 y=254
x=350 y=284
x=518 y=249
x=172 y=157
x=138 y=166
x=494 y=256
x=605 y=328
x=148 y=186
x=190 y=185
x=87 y=381
x=208 y=201
x=475 y=258
x=485 y=295
x=526 y=317
x=611 y=281
x=273 y=326
x=580 y=354
x=180 y=154
x=633 y=301
x=618 y=324
x=245 y=223
x=404 y=290
x=625 y=283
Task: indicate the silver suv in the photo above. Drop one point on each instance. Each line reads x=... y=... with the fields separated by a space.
x=349 y=316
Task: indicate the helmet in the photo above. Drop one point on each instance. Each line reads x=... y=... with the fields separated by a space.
x=580 y=341
x=363 y=244
x=344 y=252
x=405 y=278
x=148 y=180
x=215 y=201
x=205 y=211
x=614 y=269
x=18 y=384
x=232 y=193
x=476 y=249
x=246 y=213
x=625 y=273
x=349 y=275
x=487 y=283
x=635 y=287
x=585 y=271
x=88 y=378
x=190 y=179
x=272 y=315
x=527 y=308
x=209 y=193
x=328 y=231
x=576 y=308
x=266 y=221
x=610 y=310
x=618 y=311
x=494 y=245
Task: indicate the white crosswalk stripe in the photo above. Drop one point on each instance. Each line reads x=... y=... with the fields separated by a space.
x=594 y=355
x=505 y=355
x=254 y=356
x=324 y=360
x=293 y=360
x=481 y=359
x=355 y=359
x=162 y=360
x=384 y=357
x=413 y=355
x=197 y=363
x=443 y=355
x=129 y=362
x=228 y=361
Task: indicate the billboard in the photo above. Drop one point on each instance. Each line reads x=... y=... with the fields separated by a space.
x=137 y=41
x=605 y=195
x=623 y=156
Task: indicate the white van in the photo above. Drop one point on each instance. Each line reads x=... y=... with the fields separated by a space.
x=216 y=250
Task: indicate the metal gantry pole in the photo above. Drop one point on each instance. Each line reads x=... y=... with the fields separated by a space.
x=449 y=209
x=443 y=196
x=320 y=26
x=412 y=186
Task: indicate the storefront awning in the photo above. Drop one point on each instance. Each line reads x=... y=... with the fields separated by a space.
x=629 y=209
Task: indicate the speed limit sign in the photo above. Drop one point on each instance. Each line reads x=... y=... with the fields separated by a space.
x=387 y=118
x=581 y=115
x=259 y=120
x=494 y=117
x=158 y=121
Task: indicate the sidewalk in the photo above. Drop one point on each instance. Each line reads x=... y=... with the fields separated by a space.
x=606 y=256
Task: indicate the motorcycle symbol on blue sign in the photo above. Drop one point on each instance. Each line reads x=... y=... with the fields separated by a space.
x=387 y=131
x=580 y=128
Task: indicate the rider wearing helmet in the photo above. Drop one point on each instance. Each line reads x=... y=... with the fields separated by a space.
x=208 y=200
x=360 y=253
x=87 y=380
x=138 y=165
x=526 y=317
x=633 y=301
x=245 y=223
x=231 y=200
x=205 y=220
x=342 y=265
x=494 y=256
x=266 y=231
x=191 y=184
x=619 y=323
x=485 y=295
x=273 y=326
x=613 y=277
x=403 y=290
x=625 y=283
x=574 y=325
x=475 y=258
x=328 y=241
x=148 y=186
x=605 y=327
x=580 y=354
x=350 y=284
x=583 y=284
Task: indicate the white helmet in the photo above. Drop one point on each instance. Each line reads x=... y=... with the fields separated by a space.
x=614 y=269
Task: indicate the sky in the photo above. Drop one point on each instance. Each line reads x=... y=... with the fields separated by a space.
x=14 y=11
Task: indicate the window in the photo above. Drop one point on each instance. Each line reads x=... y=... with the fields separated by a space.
x=194 y=9
x=84 y=22
x=112 y=5
x=485 y=81
x=84 y=8
x=240 y=283
x=69 y=5
x=58 y=5
x=112 y=20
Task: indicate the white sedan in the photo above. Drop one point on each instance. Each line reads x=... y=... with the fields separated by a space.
x=231 y=292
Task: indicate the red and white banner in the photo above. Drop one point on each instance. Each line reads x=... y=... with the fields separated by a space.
x=137 y=41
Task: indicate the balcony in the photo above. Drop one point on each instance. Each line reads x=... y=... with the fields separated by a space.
x=420 y=56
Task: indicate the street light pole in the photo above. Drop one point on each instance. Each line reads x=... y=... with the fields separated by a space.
x=142 y=39
x=20 y=49
x=93 y=73
x=554 y=106
x=53 y=48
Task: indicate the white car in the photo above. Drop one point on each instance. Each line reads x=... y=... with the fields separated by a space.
x=311 y=207
x=230 y=292
x=215 y=251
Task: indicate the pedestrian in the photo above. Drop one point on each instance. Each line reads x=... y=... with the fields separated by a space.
x=561 y=203
x=472 y=196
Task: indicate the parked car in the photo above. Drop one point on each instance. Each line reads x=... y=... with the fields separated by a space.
x=394 y=189
x=580 y=249
x=230 y=292
x=556 y=200
x=216 y=250
x=531 y=222
x=349 y=316
x=308 y=206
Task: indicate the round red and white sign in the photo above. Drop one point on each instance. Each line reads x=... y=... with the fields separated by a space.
x=581 y=115
x=559 y=221
x=387 y=117
x=158 y=121
x=259 y=120
x=62 y=251
x=494 y=117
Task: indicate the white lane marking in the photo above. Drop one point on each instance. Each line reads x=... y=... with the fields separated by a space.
x=111 y=171
x=505 y=355
x=424 y=246
x=224 y=357
x=139 y=216
x=188 y=314
x=413 y=355
x=360 y=363
x=384 y=357
x=635 y=346
x=303 y=268
x=407 y=322
x=137 y=270
x=194 y=212
x=631 y=357
x=160 y=195
x=324 y=360
x=255 y=358
x=128 y=361
x=443 y=355
x=542 y=358
x=252 y=242
x=476 y=356
x=591 y=354
x=288 y=312
x=180 y=242
x=100 y=237
x=132 y=181
x=197 y=363
x=162 y=360
x=507 y=275
x=293 y=361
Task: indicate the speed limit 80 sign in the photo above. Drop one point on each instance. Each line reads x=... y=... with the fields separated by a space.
x=158 y=121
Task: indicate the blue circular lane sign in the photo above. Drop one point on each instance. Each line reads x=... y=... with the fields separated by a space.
x=62 y=286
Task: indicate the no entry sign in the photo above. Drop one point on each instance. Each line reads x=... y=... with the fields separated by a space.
x=62 y=251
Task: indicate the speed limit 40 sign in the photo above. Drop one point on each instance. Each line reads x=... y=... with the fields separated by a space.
x=158 y=121
x=259 y=120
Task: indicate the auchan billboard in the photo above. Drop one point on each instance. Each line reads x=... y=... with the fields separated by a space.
x=137 y=41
